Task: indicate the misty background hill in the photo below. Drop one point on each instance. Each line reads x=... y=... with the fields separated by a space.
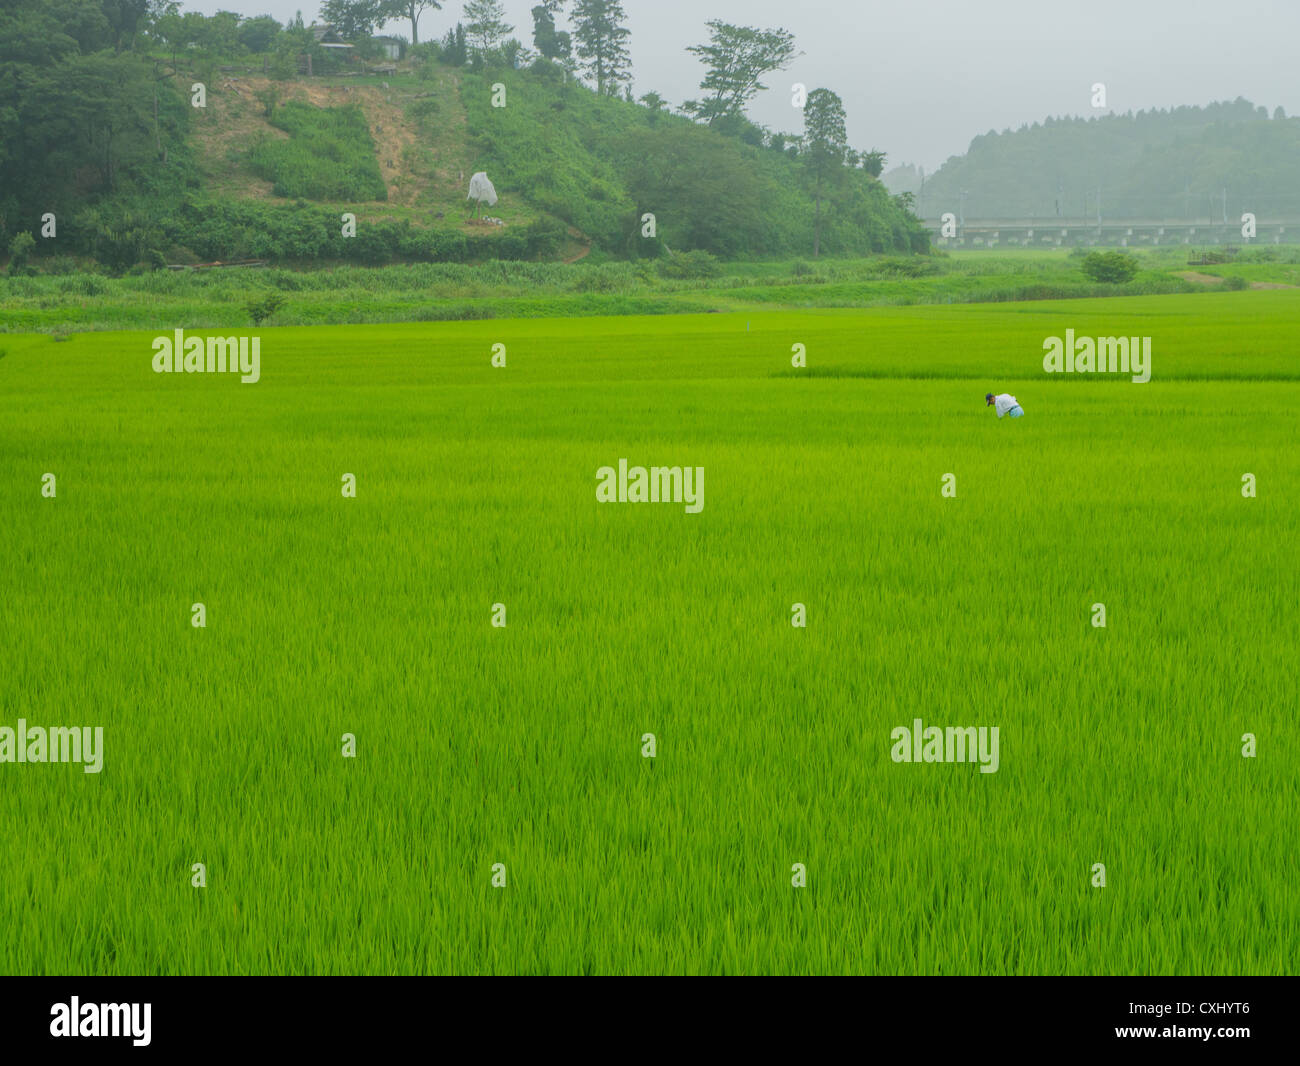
x=1206 y=162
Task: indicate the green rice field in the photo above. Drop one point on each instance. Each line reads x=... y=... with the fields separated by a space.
x=488 y=753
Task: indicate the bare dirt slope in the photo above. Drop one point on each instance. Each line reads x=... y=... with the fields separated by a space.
x=417 y=170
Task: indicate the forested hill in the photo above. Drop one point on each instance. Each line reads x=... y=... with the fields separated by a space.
x=100 y=128
x=602 y=164
x=1172 y=164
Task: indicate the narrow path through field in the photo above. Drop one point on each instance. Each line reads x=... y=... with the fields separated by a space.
x=584 y=251
x=1210 y=279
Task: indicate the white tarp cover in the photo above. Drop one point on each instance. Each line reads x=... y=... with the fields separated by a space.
x=482 y=190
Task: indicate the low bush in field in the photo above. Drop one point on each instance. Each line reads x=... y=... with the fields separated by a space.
x=1112 y=266
x=696 y=264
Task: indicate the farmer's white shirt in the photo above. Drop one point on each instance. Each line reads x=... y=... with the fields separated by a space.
x=1003 y=403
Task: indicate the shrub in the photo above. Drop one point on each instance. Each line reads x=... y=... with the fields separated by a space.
x=548 y=71
x=268 y=98
x=453 y=248
x=545 y=238
x=117 y=238
x=424 y=110
x=417 y=244
x=1235 y=282
x=20 y=250
x=284 y=64
x=509 y=246
x=696 y=264
x=260 y=310
x=60 y=265
x=1112 y=266
x=374 y=244
x=905 y=268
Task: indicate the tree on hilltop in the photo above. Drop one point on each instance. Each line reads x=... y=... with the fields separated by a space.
x=601 y=42
x=737 y=58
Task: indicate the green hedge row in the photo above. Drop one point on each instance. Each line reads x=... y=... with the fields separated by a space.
x=229 y=230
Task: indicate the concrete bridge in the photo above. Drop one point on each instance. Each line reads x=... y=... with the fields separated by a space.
x=1124 y=233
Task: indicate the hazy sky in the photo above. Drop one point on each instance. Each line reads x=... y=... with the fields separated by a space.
x=920 y=78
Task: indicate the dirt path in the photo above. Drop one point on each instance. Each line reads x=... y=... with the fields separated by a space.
x=582 y=252
x=1210 y=279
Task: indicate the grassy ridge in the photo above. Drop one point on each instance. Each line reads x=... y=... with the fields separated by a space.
x=599 y=162
x=442 y=291
x=522 y=745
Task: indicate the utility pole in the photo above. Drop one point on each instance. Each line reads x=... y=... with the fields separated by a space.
x=961 y=208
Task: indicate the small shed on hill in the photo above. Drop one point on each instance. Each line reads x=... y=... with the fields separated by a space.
x=327 y=37
x=331 y=43
x=393 y=48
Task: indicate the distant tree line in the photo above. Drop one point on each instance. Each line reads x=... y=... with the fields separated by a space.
x=1212 y=162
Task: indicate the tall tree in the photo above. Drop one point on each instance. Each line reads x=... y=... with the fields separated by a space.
x=258 y=34
x=552 y=43
x=706 y=197
x=736 y=58
x=825 y=143
x=655 y=104
x=220 y=34
x=353 y=19
x=601 y=40
x=454 y=48
x=125 y=19
x=410 y=10
x=485 y=23
x=171 y=29
x=873 y=162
